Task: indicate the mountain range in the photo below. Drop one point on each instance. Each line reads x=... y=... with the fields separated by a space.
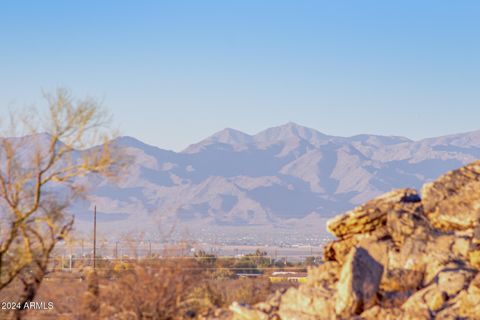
x=285 y=176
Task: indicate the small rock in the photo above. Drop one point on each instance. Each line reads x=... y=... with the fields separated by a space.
x=307 y=303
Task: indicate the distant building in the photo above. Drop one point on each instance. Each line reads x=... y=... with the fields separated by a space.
x=280 y=276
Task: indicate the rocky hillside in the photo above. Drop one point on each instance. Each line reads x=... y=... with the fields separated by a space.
x=400 y=256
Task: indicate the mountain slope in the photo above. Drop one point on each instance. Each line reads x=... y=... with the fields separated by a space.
x=282 y=173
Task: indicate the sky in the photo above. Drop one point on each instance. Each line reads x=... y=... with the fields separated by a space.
x=174 y=72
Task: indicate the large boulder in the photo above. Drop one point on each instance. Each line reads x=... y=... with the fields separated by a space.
x=453 y=201
x=307 y=303
x=372 y=215
x=358 y=284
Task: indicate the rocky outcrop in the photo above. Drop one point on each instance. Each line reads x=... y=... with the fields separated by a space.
x=453 y=201
x=399 y=256
x=371 y=216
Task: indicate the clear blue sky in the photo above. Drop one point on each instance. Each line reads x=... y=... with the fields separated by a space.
x=173 y=72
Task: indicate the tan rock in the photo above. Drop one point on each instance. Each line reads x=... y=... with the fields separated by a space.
x=466 y=305
x=435 y=299
x=400 y=280
x=408 y=221
x=452 y=280
x=377 y=249
x=298 y=315
x=325 y=275
x=461 y=246
x=245 y=312
x=429 y=257
x=437 y=296
x=396 y=279
x=372 y=215
x=337 y=250
x=476 y=235
x=412 y=256
x=453 y=309
x=474 y=258
x=264 y=307
x=453 y=201
x=307 y=303
x=473 y=297
x=441 y=252
x=271 y=306
x=359 y=283
x=275 y=299
x=420 y=302
x=377 y=313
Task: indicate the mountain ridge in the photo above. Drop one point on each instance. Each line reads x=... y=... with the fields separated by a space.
x=269 y=178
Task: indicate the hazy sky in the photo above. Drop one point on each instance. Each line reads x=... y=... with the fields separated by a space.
x=173 y=72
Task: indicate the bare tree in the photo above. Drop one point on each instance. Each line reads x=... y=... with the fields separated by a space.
x=43 y=159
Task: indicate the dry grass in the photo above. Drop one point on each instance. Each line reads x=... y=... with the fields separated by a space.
x=151 y=289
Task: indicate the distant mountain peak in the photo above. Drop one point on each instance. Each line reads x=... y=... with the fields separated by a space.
x=236 y=139
x=127 y=141
x=229 y=134
x=290 y=131
x=292 y=126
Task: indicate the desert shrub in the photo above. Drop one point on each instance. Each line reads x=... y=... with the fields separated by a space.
x=222 y=274
x=222 y=293
x=205 y=259
x=150 y=290
x=246 y=266
x=169 y=289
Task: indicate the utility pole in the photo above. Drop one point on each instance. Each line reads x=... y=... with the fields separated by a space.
x=71 y=258
x=94 y=236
